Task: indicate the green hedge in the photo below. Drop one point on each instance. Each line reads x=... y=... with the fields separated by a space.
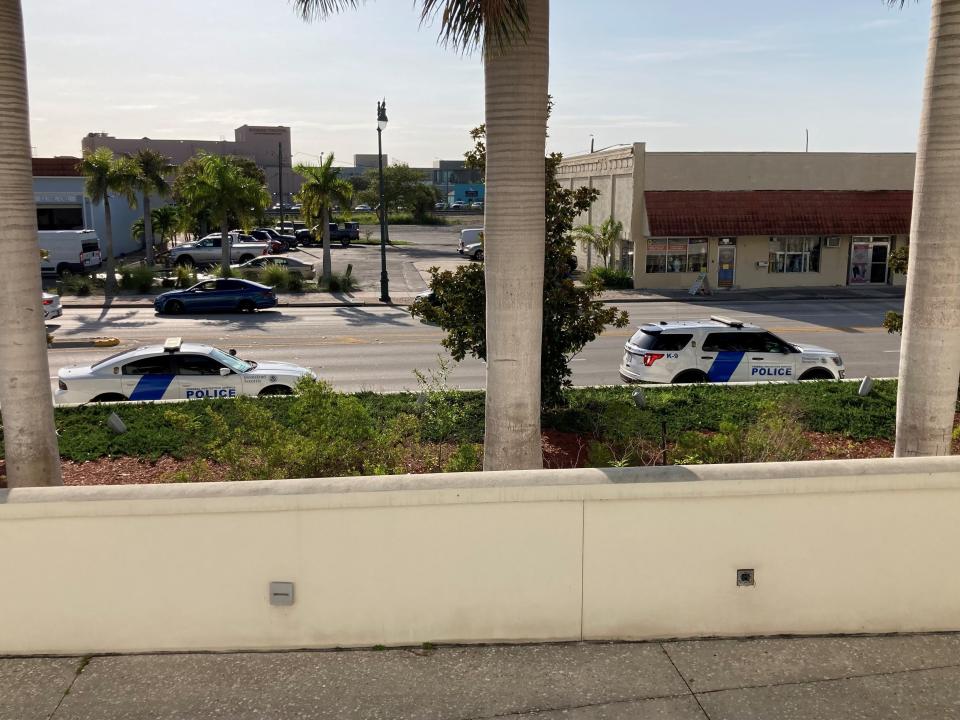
x=603 y=412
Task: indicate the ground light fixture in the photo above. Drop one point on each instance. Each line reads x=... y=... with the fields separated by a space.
x=384 y=279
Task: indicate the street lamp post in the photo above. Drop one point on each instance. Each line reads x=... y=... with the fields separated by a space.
x=384 y=279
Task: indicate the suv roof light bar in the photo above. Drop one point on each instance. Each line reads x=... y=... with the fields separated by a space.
x=726 y=321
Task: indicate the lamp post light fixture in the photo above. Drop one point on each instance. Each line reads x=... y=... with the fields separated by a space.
x=384 y=279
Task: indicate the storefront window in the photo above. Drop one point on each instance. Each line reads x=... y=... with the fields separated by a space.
x=794 y=254
x=676 y=255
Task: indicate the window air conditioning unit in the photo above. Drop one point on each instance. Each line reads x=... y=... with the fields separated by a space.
x=833 y=242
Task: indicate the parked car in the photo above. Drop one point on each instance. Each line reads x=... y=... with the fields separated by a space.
x=176 y=371
x=477 y=205
x=258 y=265
x=217 y=295
x=721 y=350
x=469 y=236
x=343 y=235
x=440 y=206
x=289 y=226
x=207 y=250
x=458 y=205
x=52 y=307
x=75 y=251
x=363 y=208
x=474 y=251
x=287 y=242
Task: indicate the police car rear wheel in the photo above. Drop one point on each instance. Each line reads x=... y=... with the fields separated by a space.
x=690 y=376
x=816 y=374
x=275 y=390
x=109 y=397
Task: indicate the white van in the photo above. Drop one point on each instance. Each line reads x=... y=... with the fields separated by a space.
x=74 y=251
x=469 y=236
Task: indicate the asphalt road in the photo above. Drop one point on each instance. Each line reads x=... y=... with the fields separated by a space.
x=379 y=348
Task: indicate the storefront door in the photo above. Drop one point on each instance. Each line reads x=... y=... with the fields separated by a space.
x=868 y=261
x=726 y=262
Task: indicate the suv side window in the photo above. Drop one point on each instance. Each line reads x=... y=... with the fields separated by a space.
x=671 y=342
x=157 y=365
x=197 y=365
x=733 y=342
x=772 y=344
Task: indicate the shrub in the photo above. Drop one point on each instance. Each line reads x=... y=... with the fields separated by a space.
x=777 y=436
x=138 y=278
x=466 y=458
x=437 y=407
x=168 y=282
x=275 y=276
x=295 y=282
x=340 y=283
x=185 y=277
x=611 y=278
x=80 y=285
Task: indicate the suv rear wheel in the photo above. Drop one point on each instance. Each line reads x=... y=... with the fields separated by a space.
x=690 y=377
x=185 y=260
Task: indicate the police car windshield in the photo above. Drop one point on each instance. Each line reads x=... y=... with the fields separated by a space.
x=234 y=363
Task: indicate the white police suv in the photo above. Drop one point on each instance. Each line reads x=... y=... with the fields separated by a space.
x=175 y=371
x=721 y=350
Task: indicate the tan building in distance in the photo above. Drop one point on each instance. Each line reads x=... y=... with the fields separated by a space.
x=260 y=143
x=749 y=220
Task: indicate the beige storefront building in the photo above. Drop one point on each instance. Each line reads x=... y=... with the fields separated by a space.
x=749 y=220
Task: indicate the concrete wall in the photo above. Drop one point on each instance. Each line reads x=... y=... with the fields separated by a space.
x=779 y=171
x=837 y=547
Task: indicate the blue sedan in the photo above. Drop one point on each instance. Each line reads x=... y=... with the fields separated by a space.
x=212 y=295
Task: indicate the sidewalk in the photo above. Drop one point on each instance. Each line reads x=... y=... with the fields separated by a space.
x=721 y=297
x=825 y=678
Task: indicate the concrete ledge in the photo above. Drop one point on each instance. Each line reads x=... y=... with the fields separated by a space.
x=854 y=546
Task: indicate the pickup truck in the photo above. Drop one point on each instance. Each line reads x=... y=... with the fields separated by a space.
x=343 y=235
x=207 y=250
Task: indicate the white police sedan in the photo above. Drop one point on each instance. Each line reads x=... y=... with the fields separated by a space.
x=176 y=371
x=722 y=350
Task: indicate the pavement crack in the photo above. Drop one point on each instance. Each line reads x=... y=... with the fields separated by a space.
x=830 y=680
x=81 y=666
x=703 y=710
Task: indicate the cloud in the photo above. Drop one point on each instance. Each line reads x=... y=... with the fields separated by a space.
x=681 y=51
x=596 y=122
x=133 y=107
x=880 y=23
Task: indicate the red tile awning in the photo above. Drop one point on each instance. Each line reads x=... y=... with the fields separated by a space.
x=676 y=213
x=56 y=167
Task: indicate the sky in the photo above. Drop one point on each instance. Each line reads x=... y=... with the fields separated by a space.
x=676 y=74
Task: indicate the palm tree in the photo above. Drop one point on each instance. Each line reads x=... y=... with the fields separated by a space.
x=930 y=348
x=603 y=239
x=29 y=436
x=105 y=174
x=322 y=188
x=152 y=171
x=514 y=35
x=165 y=222
x=220 y=185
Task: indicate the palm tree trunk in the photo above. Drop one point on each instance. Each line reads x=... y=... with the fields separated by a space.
x=930 y=349
x=327 y=262
x=29 y=437
x=148 y=230
x=111 y=281
x=225 y=248
x=514 y=241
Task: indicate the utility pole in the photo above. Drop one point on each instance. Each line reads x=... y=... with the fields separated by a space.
x=280 y=183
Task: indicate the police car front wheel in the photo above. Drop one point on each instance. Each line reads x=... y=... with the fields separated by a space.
x=275 y=390
x=109 y=397
x=816 y=374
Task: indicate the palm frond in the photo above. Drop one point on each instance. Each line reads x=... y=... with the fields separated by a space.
x=469 y=24
x=322 y=9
